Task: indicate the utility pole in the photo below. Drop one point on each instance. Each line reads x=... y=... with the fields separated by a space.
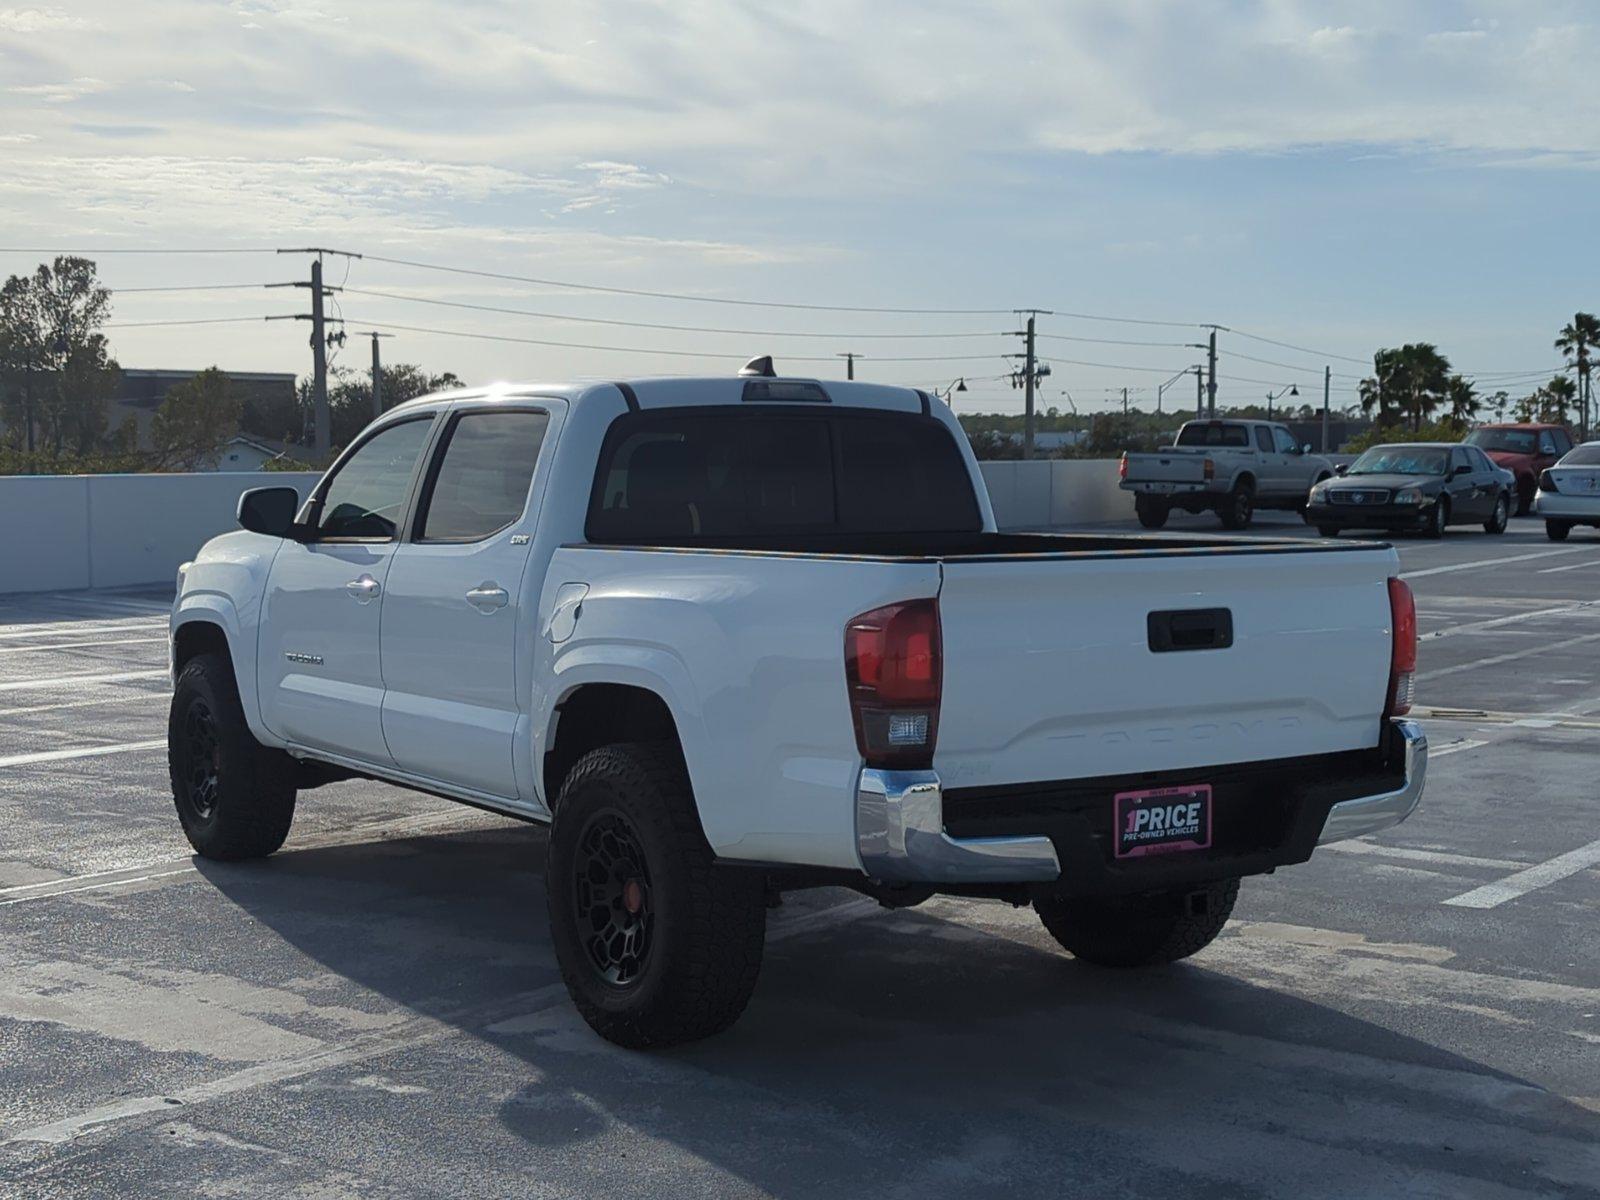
x=1327 y=386
x=1211 y=382
x=1027 y=394
x=1124 y=404
x=849 y=363
x=319 y=365
x=1199 y=392
x=377 y=370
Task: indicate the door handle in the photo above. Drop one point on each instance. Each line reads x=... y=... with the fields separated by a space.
x=487 y=597
x=364 y=589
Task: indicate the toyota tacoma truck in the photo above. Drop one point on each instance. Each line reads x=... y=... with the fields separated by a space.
x=734 y=637
x=1230 y=467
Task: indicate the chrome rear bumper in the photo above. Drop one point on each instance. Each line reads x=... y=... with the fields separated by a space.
x=1368 y=814
x=901 y=837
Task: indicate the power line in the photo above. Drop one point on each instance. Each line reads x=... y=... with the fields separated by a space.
x=816 y=358
x=1256 y=337
x=191 y=287
x=199 y=321
x=679 y=296
x=143 y=250
x=549 y=316
x=1067 y=337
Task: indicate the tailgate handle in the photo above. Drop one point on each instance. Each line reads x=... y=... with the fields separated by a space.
x=1191 y=629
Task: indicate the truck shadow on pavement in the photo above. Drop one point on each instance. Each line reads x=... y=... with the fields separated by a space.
x=948 y=1050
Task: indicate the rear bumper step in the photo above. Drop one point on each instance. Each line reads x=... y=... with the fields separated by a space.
x=1269 y=814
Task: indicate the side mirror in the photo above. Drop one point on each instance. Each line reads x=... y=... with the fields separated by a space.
x=1340 y=468
x=269 y=510
x=1306 y=449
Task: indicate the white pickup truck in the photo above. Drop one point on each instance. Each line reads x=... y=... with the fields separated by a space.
x=1229 y=466
x=735 y=636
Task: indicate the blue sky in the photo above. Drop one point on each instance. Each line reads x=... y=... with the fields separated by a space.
x=1336 y=175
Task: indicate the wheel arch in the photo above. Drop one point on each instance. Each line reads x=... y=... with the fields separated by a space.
x=207 y=623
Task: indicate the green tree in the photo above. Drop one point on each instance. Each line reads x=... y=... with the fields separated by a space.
x=1408 y=383
x=1577 y=339
x=350 y=396
x=193 y=422
x=1463 y=400
x=58 y=370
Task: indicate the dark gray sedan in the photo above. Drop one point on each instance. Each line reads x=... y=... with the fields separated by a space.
x=1421 y=486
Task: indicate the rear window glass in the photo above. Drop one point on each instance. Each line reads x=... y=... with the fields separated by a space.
x=1213 y=433
x=481 y=484
x=1586 y=455
x=1507 y=441
x=720 y=473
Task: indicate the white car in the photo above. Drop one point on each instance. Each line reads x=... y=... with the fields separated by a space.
x=734 y=636
x=1569 y=492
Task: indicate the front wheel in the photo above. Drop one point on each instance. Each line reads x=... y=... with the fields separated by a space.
x=657 y=943
x=1502 y=513
x=235 y=797
x=1434 y=523
x=1327 y=530
x=1152 y=513
x=1141 y=931
x=1557 y=531
x=1239 y=508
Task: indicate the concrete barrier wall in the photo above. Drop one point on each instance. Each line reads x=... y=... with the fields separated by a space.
x=1056 y=491
x=82 y=531
x=59 y=532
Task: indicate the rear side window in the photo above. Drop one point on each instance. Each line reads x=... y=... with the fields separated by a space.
x=726 y=473
x=1213 y=433
x=480 y=484
x=1586 y=455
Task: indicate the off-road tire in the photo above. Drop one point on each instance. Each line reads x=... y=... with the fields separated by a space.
x=1327 y=531
x=1438 y=518
x=1239 y=509
x=708 y=923
x=1142 y=931
x=1557 y=531
x=1501 y=516
x=1152 y=514
x=235 y=801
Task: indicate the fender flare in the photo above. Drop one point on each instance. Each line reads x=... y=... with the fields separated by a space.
x=216 y=608
x=653 y=669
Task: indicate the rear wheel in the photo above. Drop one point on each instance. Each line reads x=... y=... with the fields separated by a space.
x=1557 y=531
x=1140 y=931
x=1328 y=530
x=234 y=796
x=1240 y=506
x=1152 y=513
x=657 y=943
x=1501 y=515
x=1435 y=522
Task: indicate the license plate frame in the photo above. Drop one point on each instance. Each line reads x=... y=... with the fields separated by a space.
x=1190 y=805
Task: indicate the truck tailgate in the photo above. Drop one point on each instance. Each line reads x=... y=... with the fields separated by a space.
x=1050 y=671
x=1177 y=466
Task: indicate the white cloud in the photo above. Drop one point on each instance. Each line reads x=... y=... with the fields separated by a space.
x=39 y=20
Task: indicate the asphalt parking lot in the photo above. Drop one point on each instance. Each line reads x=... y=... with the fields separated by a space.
x=376 y=1012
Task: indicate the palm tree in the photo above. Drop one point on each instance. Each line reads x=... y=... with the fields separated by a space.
x=1464 y=401
x=1581 y=335
x=1557 y=398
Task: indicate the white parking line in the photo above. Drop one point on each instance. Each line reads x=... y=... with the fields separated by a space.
x=1441 y=858
x=137 y=641
x=1495 y=660
x=1569 y=567
x=22 y=760
x=1552 y=871
x=1559 y=610
x=45 y=629
x=157 y=698
x=1490 y=562
x=1454 y=747
x=23 y=685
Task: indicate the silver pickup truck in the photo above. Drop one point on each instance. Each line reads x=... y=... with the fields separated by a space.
x=1229 y=467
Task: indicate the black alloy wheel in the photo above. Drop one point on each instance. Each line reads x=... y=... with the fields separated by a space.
x=202 y=759
x=613 y=902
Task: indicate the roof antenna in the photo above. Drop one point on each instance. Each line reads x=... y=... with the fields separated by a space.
x=761 y=366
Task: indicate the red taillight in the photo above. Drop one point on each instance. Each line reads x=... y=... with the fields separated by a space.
x=1547 y=482
x=1210 y=469
x=1403 y=655
x=893 y=666
x=1122 y=466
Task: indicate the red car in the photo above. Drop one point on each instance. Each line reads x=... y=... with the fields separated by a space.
x=1524 y=450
